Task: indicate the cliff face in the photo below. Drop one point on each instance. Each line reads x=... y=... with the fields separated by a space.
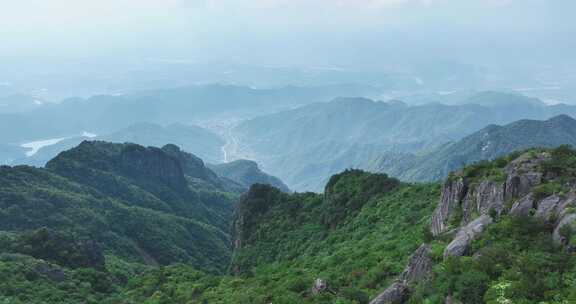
x=529 y=185
x=464 y=199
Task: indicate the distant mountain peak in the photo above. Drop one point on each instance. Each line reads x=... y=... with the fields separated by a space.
x=562 y=118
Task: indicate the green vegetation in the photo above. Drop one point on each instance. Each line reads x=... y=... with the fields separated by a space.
x=288 y=241
x=515 y=262
x=562 y=163
x=99 y=215
x=133 y=225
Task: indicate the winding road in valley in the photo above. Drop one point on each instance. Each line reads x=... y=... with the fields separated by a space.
x=230 y=149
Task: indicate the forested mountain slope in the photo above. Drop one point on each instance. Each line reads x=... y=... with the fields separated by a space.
x=487 y=144
x=305 y=146
x=501 y=232
x=100 y=213
x=495 y=231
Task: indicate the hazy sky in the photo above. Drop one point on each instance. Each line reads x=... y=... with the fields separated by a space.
x=251 y=30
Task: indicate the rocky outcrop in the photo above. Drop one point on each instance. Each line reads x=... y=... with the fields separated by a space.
x=467 y=206
x=418 y=268
x=567 y=220
x=523 y=206
x=522 y=174
x=487 y=195
x=479 y=198
x=395 y=294
x=548 y=208
x=466 y=235
x=453 y=191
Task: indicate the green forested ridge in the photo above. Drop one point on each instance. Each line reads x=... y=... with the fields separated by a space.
x=488 y=143
x=71 y=239
x=357 y=237
x=105 y=212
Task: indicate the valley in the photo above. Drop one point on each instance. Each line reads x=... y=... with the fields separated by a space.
x=288 y=152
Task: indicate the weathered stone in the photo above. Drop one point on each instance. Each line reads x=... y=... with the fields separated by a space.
x=568 y=219
x=481 y=199
x=548 y=208
x=453 y=192
x=319 y=286
x=523 y=174
x=419 y=265
x=395 y=294
x=418 y=268
x=523 y=206
x=467 y=234
x=568 y=202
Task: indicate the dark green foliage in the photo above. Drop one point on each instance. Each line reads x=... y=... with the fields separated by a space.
x=348 y=191
x=284 y=245
x=100 y=215
x=357 y=237
x=57 y=248
x=562 y=162
x=547 y=189
x=485 y=170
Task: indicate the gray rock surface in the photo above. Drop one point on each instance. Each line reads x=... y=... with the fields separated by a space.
x=523 y=206
x=465 y=235
x=481 y=199
x=568 y=219
x=523 y=174
x=548 y=208
x=418 y=268
x=395 y=294
x=453 y=192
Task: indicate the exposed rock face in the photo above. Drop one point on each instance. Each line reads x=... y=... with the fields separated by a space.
x=523 y=174
x=419 y=265
x=418 y=268
x=481 y=199
x=523 y=206
x=395 y=294
x=472 y=202
x=548 y=208
x=568 y=219
x=453 y=192
x=466 y=235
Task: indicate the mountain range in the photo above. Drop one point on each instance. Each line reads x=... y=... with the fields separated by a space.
x=200 y=141
x=304 y=146
x=104 y=114
x=122 y=223
x=487 y=144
